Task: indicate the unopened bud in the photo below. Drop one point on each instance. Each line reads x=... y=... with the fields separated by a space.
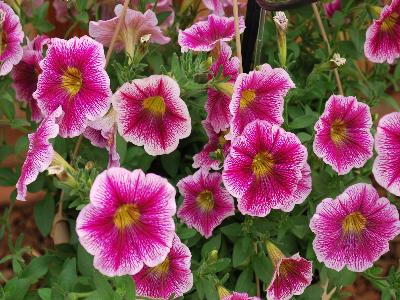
x=222 y=292
x=225 y=87
x=89 y=165
x=281 y=21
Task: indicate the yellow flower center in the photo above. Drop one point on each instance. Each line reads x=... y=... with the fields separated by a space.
x=72 y=81
x=162 y=269
x=354 y=223
x=389 y=23
x=126 y=215
x=263 y=164
x=338 y=131
x=247 y=98
x=205 y=200
x=155 y=105
x=286 y=268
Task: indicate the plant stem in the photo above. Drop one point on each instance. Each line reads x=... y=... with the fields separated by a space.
x=258 y=289
x=260 y=35
x=237 y=33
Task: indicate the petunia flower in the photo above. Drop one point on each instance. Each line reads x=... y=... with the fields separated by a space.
x=208 y=157
x=240 y=296
x=12 y=36
x=217 y=105
x=74 y=77
x=128 y=223
x=331 y=7
x=151 y=114
x=163 y=6
x=223 y=7
x=204 y=35
x=291 y=276
x=259 y=95
x=382 y=37
x=386 y=168
x=171 y=277
x=264 y=169
x=354 y=229
x=136 y=24
x=40 y=152
x=25 y=74
x=342 y=134
x=205 y=202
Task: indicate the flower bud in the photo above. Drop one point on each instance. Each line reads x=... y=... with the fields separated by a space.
x=281 y=23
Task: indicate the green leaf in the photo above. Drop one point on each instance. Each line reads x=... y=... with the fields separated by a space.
x=263 y=267
x=303 y=121
x=22 y=144
x=84 y=261
x=125 y=287
x=83 y=17
x=103 y=286
x=68 y=276
x=171 y=163
x=245 y=281
x=218 y=266
x=44 y=214
x=36 y=269
x=81 y=4
x=242 y=251
x=213 y=244
x=232 y=231
x=122 y=147
x=7 y=177
x=16 y=289
x=7 y=108
x=44 y=293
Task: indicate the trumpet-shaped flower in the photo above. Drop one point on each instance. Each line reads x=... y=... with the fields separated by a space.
x=151 y=114
x=264 y=169
x=259 y=96
x=40 y=152
x=205 y=202
x=128 y=222
x=342 y=134
x=331 y=7
x=11 y=38
x=171 y=277
x=382 y=38
x=74 y=77
x=354 y=229
x=386 y=168
x=204 y=35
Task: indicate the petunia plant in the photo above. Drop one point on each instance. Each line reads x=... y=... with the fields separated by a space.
x=200 y=149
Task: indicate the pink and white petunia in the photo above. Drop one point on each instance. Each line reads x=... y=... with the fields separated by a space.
x=137 y=25
x=342 y=134
x=223 y=7
x=208 y=157
x=240 y=296
x=152 y=114
x=172 y=277
x=12 y=36
x=163 y=6
x=205 y=202
x=25 y=74
x=74 y=77
x=386 y=168
x=259 y=96
x=128 y=223
x=354 y=229
x=331 y=7
x=264 y=169
x=382 y=42
x=204 y=35
x=40 y=152
x=217 y=105
x=291 y=277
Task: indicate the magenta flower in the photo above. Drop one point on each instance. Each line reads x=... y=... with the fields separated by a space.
x=240 y=296
x=216 y=6
x=151 y=114
x=259 y=95
x=342 y=134
x=354 y=229
x=382 y=38
x=12 y=36
x=25 y=74
x=172 y=276
x=74 y=77
x=291 y=277
x=386 y=168
x=163 y=6
x=264 y=169
x=205 y=202
x=216 y=142
x=204 y=35
x=217 y=105
x=331 y=7
x=128 y=222
x=40 y=152
x=137 y=25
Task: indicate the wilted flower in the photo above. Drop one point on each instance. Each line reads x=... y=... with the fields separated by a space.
x=151 y=114
x=205 y=202
x=337 y=60
x=204 y=35
x=281 y=20
x=74 y=77
x=259 y=95
x=291 y=277
x=40 y=152
x=217 y=144
x=171 y=277
x=128 y=222
x=342 y=134
x=136 y=24
x=386 y=168
x=264 y=168
x=331 y=7
x=12 y=36
x=382 y=43
x=25 y=74
x=354 y=229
